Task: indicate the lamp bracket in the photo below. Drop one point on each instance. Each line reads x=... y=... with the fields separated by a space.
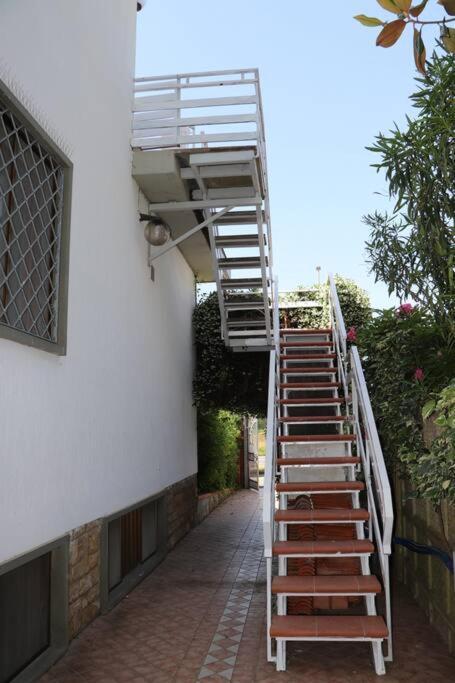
x=173 y=243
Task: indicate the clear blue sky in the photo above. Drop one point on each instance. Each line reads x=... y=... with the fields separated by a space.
x=327 y=91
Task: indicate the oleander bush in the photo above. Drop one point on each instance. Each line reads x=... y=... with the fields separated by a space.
x=412 y=250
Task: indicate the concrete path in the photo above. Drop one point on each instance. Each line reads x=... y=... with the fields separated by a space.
x=201 y=617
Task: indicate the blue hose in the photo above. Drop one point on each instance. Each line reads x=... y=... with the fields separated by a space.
x=426 y=550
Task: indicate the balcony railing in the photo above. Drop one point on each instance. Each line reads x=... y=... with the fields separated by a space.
x=198 y=110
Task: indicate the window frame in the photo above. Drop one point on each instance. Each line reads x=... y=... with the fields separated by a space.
x=111 y=596
x=59 y=629
x=59 y=347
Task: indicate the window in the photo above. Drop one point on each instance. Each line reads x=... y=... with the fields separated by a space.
x=34 y=210
x=134 y=543
x=33 y=612
x=24 y=615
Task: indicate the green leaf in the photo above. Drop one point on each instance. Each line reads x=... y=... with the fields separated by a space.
x=368 y=21
x=428 y=408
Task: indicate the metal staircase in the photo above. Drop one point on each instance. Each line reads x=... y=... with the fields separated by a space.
x=225 y=176
x=327 y=502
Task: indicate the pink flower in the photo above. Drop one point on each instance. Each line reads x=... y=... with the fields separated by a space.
x=419 y=374
x=351 y=335
x=405 y=309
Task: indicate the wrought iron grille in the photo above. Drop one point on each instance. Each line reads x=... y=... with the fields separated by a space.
x=31 y=207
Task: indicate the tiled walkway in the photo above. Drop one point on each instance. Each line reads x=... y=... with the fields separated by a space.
x=201 y=617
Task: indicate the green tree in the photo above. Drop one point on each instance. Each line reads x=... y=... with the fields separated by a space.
x=412 y=250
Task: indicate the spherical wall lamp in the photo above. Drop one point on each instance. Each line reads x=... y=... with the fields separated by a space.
x=156 y=232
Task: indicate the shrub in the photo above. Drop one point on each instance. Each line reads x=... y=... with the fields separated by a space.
x=218 y=449
x=406 y=359
x=238 y=381
x=354 y=303
x=224 y=379
x=304 y=317
x=434 y=472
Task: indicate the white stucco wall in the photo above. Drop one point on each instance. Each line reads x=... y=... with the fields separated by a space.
x=112 y=422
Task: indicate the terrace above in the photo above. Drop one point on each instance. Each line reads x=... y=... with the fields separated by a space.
x=199 y=157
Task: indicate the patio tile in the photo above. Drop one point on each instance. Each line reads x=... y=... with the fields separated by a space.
x=201 y=617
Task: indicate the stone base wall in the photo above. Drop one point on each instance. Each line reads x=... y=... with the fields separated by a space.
x=181 y=509
x=85 y=552
x=425 y=576
x=207 y=502
x=84 y=576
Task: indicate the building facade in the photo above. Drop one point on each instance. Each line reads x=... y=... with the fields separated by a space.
x=98 y=433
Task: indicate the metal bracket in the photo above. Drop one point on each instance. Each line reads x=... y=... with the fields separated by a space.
x=173 y=243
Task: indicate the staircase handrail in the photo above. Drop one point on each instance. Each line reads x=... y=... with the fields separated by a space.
x=337 y=318
x=368 y=444
x=371 y=454
x=339 y=332
x=268 y=509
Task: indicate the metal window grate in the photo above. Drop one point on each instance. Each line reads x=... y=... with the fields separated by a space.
x=31 y=207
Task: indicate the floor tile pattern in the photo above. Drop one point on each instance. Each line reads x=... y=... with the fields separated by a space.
x=222 y=655
x=209 y=594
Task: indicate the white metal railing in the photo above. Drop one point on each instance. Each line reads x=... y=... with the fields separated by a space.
x=339 y=332
x=268 y=509
x=380 y=505
x=272 y=430
x=228 y=106
x=270 y=459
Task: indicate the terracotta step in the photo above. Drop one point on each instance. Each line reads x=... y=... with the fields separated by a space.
x=308 y=371
x=310 y=401
x=313 y=438
x=324 y=548
x=315 y=418
x=310 y=385
x=305 y=330
x=327 y=585
x=319 y=486
x=310 y=356
x=303 y=344
x=332 y=516
x=333 y=627
x=337 y=460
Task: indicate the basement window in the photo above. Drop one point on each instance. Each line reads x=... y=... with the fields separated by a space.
x=134 y=542
x=33 y=612
x=34 y=225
